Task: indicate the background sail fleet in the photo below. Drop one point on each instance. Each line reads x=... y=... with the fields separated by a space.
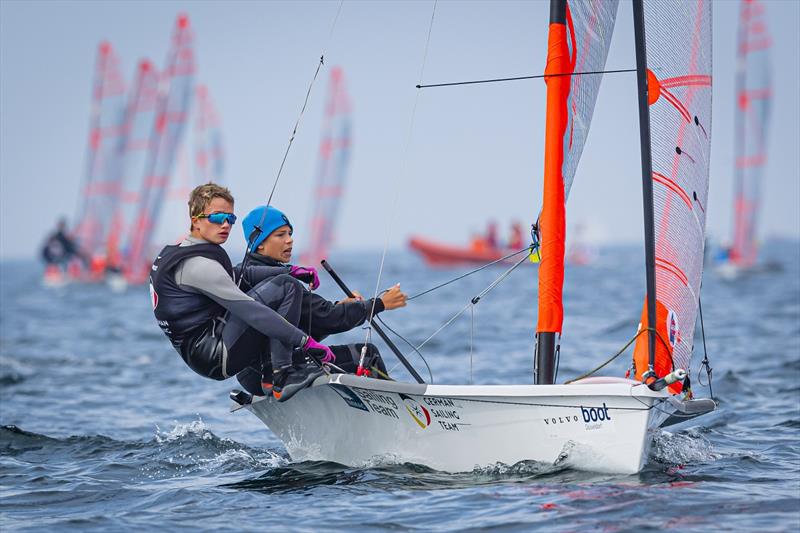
x=737 y=464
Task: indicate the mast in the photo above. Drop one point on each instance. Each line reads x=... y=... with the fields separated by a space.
x=578 y=41
x=552 y=221
x=647 y=179
x=166 y=134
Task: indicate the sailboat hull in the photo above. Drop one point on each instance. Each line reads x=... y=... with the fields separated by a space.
x=602 y=426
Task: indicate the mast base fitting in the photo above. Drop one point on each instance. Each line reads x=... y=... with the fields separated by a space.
x=678 y=374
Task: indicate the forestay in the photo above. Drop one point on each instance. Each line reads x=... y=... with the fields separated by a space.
x=678 y=53
x=753 y=98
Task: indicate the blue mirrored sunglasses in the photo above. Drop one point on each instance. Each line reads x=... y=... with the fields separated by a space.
x=219 y=218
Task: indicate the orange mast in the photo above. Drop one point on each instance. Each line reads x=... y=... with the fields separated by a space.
x=552 y=221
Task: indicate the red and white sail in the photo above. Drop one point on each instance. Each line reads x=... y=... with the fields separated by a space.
x=166 y=134
x=101 y=185
x=134 y=147
x=753 y=99
x=578 y=42
x=678 y=57
x=209 y=154
x=332 y=164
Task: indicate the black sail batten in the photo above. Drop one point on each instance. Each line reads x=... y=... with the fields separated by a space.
x=647 y=175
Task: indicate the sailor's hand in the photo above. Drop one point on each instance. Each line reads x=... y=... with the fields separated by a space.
x=306 y=274
x=323 y=351
x=394 y=298
x=355 y=298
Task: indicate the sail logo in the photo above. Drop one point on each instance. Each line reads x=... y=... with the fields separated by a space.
x=673 y=329
x=153 y=297
x=420 y=415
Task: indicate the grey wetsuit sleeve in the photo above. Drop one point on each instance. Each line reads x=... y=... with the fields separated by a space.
x=206 y=276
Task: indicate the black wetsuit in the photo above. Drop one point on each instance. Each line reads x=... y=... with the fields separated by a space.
x=59 y=249
x=216 y=328
x=319 y=317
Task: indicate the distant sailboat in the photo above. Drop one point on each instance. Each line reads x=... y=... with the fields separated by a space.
x=168 y=129
x=134 y=146
x=101 y=187
x=332 y=163
x=594 y=423
x=752 y=114
x=580 y=252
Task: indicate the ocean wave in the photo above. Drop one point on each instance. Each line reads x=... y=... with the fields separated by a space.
x=689 y=446
x=189 y=448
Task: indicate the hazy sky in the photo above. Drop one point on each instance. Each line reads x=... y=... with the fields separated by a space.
x=475 y=151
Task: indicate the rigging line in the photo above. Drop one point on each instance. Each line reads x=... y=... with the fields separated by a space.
x=430 y=372
x=517 y=78
x=303 y=109
x=401 y=171
x=471 y=341
x=472 y=302
x=705 y=363
x=655 y=407
x=503 y=276
x=620 y=352
x=530 y=248
x=539 y=404
x=257 y=229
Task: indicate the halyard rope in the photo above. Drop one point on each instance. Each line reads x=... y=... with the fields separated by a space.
x=401 y=171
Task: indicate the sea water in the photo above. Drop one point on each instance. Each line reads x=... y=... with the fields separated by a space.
x=104 y=428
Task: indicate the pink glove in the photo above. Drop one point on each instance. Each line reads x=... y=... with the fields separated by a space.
x=311 y=344
x=305 y=274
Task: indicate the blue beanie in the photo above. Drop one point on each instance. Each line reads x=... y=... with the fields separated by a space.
x=268 y=218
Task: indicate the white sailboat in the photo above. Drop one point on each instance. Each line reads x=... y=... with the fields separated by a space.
x=597 y=423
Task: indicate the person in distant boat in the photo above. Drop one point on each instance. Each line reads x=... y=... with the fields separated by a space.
x=218 y=329
x=59 y=249
x=270 y=251
x=515 y=242
x=478 y=244
x=491 y=234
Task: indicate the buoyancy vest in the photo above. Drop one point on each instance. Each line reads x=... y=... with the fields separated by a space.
x=181 y=314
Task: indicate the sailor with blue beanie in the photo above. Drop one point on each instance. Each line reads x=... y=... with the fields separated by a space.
x=268 y=267
x=267 y=219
